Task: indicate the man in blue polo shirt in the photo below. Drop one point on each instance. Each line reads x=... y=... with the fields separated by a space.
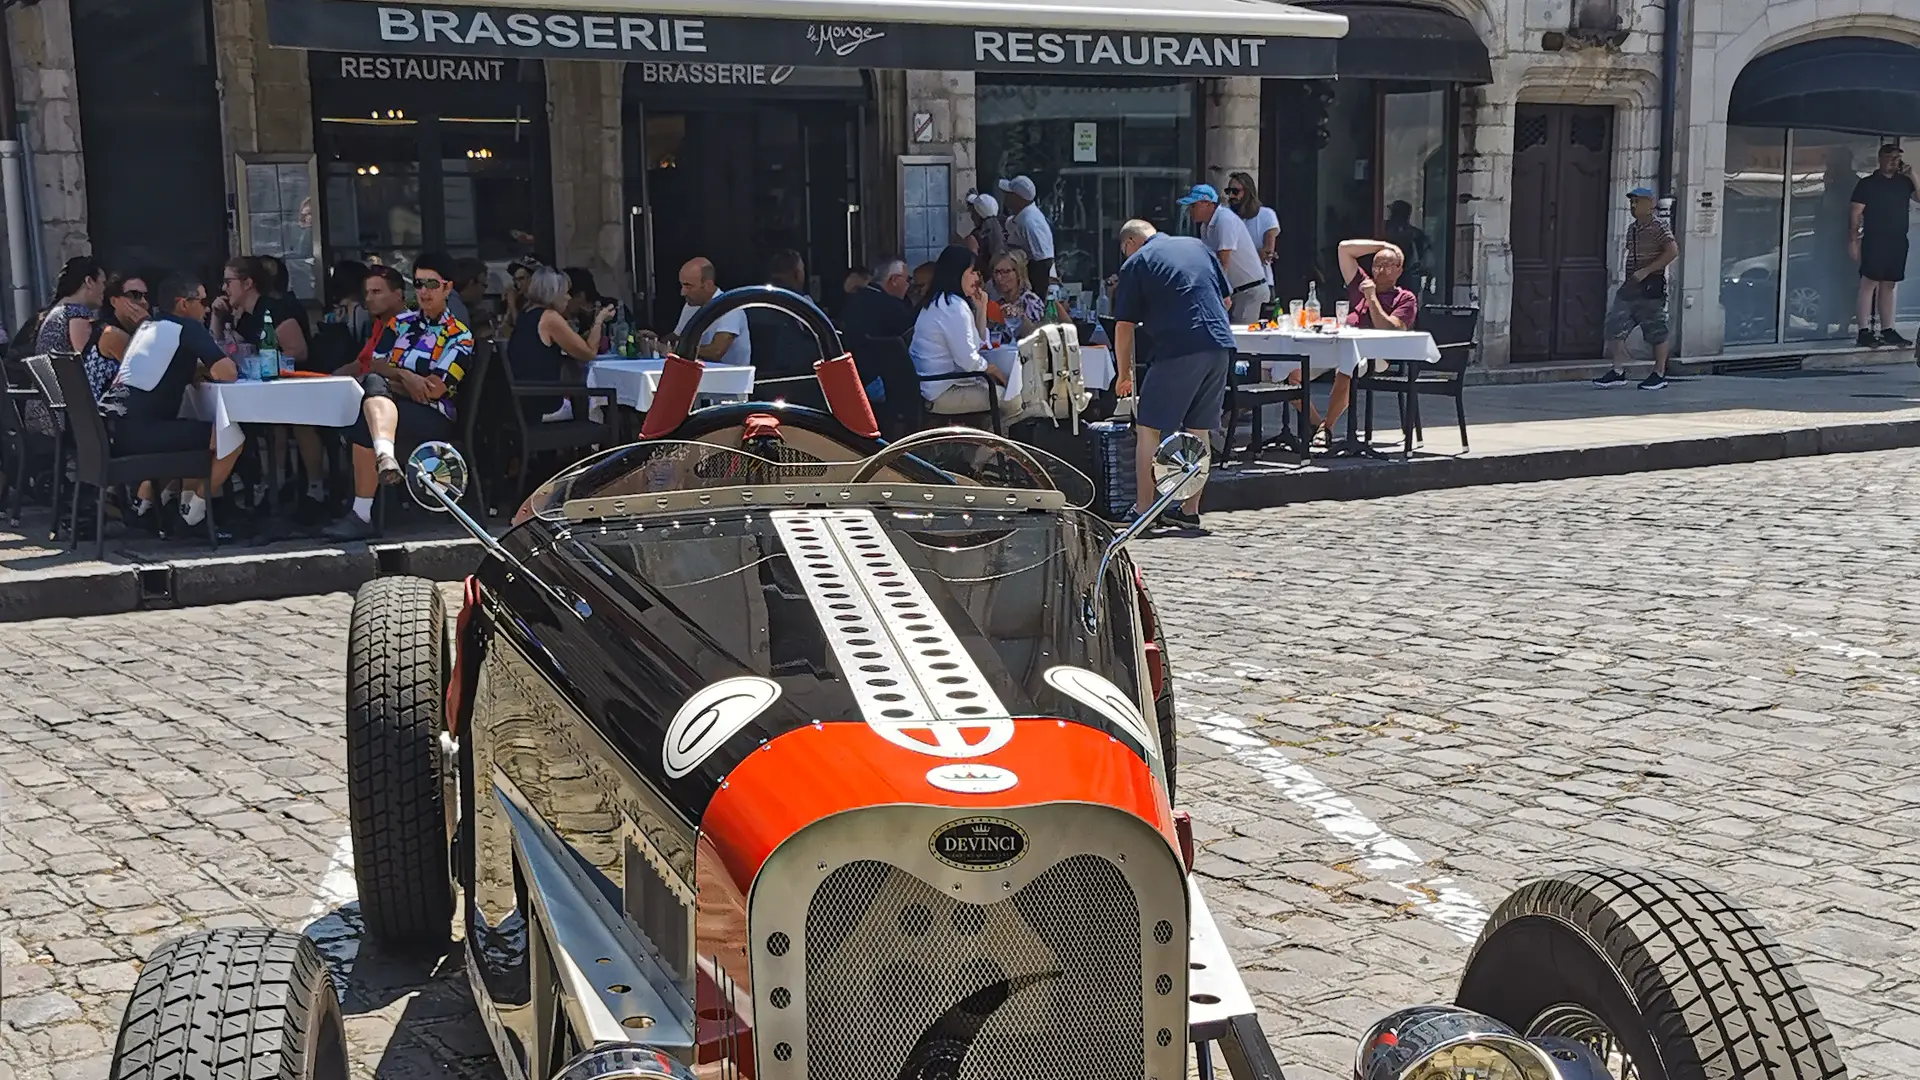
x=1172 y=288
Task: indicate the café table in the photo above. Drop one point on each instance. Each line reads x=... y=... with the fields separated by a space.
x=1346 y=350
x=330 y=401
x=634 y=380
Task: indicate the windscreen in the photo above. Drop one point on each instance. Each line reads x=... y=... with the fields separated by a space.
x=977 y=459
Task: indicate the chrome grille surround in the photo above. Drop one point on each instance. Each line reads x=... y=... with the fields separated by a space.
x=862 y=940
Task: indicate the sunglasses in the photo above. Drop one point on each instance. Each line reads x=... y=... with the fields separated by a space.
x=428 y=283
x=138 y=296
x=1234 y=190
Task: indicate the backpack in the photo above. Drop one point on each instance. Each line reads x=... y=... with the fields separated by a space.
x=1052 y=386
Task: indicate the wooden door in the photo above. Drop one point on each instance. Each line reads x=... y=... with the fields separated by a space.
x=1561 y=195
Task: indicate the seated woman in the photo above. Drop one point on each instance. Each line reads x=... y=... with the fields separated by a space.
x=409 y=392
x=164 y=355
x=543 y=340
x=1013 y=305
x=948 y=337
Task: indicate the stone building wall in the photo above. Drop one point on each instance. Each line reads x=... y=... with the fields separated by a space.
x=48 y=95
x=589 y=193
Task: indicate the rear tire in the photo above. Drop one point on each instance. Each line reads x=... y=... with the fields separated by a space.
x=396 y=697
x=251 y=1003
x=1163 y=701
x=1690 y=984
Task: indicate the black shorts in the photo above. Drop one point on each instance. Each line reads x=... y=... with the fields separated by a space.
x=1883 y=258
x=417 y=423
x=160 y=435
x=1183 y=393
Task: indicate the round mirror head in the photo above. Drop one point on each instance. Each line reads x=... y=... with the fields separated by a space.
x=1178 y=454
x=439 y=464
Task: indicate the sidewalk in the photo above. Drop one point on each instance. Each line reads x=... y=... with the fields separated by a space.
x=1519 y=433
x=1560 y=430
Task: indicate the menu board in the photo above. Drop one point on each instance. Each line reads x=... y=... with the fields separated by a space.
x=279 y=217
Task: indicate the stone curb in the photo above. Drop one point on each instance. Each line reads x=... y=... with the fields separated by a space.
x=229 y=579
x=1380 y=479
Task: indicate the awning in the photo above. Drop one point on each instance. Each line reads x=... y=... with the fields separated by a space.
x=1406 y=41
x=1853 y=84
x=1039 y=37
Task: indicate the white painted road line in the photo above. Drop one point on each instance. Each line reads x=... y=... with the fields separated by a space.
x=337 y=888
x=1438 y=897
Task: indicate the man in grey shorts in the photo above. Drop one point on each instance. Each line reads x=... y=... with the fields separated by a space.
x=1172 y=288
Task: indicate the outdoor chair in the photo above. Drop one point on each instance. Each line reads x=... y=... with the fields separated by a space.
x=1455 y=329
x=18 y=447
x=1253 y=396
x=903 y=410
x=47 y=384
x=97 y=465
x=559 y=436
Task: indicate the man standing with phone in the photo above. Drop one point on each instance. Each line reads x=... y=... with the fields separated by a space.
x=1877 y=240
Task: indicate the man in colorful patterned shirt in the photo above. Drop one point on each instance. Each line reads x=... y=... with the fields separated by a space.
x=417 y=365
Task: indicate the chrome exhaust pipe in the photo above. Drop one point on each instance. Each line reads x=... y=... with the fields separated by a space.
x=1443 y=1042
x=624 y=1062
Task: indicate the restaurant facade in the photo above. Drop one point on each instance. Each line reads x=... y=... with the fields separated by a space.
x=1492 y=138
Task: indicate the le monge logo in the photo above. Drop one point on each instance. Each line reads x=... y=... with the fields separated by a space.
x=979 y=843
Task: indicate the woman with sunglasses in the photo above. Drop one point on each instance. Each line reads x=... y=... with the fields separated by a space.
x=122 y=312
x=409 y=391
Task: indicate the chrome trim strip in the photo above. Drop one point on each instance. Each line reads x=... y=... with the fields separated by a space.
x=939 y=496
x=585 y=929
x=1212 y=975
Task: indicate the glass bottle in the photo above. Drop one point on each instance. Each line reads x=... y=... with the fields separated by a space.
x=267 y=363
x=1312 y=312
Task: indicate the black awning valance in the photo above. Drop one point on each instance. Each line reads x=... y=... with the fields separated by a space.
x=1854 y=84
x=1391 y=39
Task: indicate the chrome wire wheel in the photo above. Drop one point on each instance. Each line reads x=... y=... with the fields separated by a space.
x=1576 y=1022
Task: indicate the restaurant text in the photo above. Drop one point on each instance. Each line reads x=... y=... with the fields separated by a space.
x=1124 y=50
x=425 y=69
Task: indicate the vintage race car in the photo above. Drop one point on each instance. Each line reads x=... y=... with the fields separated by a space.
x=761 y=748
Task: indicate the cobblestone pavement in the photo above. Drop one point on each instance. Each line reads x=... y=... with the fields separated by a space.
x=1395 y=711
x=1712 y=672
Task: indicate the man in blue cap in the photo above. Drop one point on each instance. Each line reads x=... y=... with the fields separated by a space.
x=1641 y=299
x=1227 y=237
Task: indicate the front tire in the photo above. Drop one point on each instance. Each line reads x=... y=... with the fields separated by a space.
x=396 y=695
x=252 y=1003
x=1686 y=983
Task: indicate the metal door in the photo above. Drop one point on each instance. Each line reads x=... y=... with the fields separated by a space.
x=1561 y=197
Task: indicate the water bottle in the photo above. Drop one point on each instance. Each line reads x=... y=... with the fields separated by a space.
x=1313 y=305
x=269 y=362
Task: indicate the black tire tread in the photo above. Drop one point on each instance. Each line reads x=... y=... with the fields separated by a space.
x=395 y=698
x=1717 y=990
x=1163 y=705
x=235 y=1003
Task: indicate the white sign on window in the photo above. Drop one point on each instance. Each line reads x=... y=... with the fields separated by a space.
x=926 y=198
x=1086 y=142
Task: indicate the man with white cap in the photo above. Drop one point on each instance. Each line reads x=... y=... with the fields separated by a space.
x=987 y=238
x=1027 y=229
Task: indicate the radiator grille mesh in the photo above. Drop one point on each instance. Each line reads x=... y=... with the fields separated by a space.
x=897 y=971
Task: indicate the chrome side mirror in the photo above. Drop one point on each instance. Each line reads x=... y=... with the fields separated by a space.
x=436 y=478
x=1179 y=471
x=436 y=465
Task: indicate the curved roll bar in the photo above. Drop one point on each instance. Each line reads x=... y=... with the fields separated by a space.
x=839 y=378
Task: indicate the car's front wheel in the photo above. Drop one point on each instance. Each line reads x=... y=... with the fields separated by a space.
x=396 y=697
x=240 y=1002
x=1664 y=977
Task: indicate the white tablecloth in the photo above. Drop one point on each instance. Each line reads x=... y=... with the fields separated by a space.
x=1096 y=367
x=330 y=402
x=634 y=382
x=1343 y=352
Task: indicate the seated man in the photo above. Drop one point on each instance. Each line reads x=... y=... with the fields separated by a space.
x=1375 y=301
x=169 y=352
x=409 y=393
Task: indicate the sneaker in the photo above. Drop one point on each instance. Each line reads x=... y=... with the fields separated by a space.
x=1177 y=516
x=1867 y=340
x=349 y=528
x=1890 y=336
x=1612 y=378
x=1654 y=381
x=389 y=468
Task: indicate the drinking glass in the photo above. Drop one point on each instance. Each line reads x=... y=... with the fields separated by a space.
x=1296 y=311
x=1340 y=312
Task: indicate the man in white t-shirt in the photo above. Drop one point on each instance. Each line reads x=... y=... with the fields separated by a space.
x=1226 y=236
x=1263 y=225
x=727 y=340
x=1028 y=230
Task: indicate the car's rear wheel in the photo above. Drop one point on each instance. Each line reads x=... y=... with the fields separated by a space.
x=396 y=695
x=242 y=1002
x=1163 y=698
x=1664 y=977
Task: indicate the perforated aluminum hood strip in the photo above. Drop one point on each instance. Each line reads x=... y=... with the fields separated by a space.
x=910 y=675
